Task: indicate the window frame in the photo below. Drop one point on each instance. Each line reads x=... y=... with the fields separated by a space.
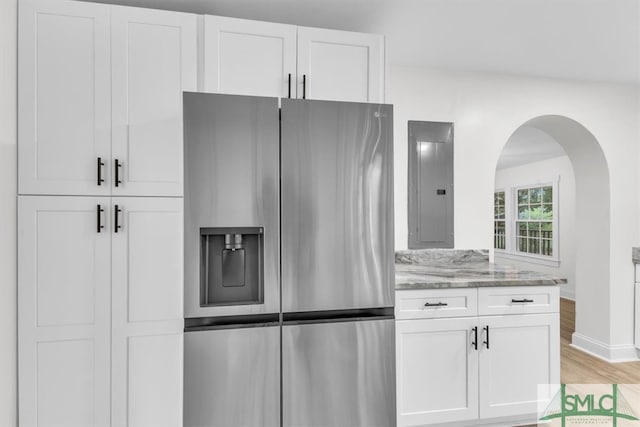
x=505 y=219
x=511 y=218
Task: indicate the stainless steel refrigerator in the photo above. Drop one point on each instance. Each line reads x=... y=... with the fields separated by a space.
x=288 y=262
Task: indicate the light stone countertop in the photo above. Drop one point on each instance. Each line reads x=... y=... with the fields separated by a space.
x=459 y=268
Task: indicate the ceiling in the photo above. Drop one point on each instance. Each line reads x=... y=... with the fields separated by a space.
x=591 y=40
x=528 y=145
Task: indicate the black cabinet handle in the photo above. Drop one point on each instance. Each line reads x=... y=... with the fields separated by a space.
x=289 y=96
x=116 y=226
x=435 y=304
x=99 y=211
x=475 y=338
x=486 y=342
x=304 y=86
x=524 y=300
x=100 y=165
x=117 y=166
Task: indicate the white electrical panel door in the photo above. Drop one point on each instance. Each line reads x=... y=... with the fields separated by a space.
x=64 y=308
x=154 y=56
x=147 y=315
x=245 y=57
x=64 y=98
x=340 y=65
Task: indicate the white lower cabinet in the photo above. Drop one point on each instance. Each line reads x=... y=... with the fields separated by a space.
x=523 y=351
x=437 y=371
x=475 y=369
x=100 y=311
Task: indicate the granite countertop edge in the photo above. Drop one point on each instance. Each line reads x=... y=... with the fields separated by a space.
x=461 y=268
x=401 y=286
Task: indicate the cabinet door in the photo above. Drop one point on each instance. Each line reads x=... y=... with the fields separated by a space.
x=147 y=311
x=249 y=57
x=154 y=56
x=523 y=352
x=63 y=311
x=437 y=371
x=340 y=65
x=64 y=97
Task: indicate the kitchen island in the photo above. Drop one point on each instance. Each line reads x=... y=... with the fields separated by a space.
x=473 y=339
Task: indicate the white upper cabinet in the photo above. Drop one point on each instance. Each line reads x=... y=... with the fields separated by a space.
x=154 y=59
x=100 y=98
x=249 y=57
x=340 y=65
x=64 y=97
x=266 y=59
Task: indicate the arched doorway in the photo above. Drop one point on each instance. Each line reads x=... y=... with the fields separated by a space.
x=591 y=226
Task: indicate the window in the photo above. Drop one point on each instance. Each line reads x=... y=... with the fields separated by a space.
x=499 y=220
x=525 y=222
x=534 y=225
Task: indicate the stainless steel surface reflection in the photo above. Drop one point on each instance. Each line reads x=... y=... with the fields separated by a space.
x=231 y=180
x=232 y=377
x=339 y=374
x=337 y=205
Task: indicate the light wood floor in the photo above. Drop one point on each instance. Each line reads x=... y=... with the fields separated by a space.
x=577 y=367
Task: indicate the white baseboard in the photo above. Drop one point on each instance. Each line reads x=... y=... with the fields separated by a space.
x=606 y=352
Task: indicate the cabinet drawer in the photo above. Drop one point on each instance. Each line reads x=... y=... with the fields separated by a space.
x=432 y=303
x=518 y=300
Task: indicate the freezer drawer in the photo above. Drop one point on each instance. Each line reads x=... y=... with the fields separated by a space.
x=232 y=377
x=337 y=205
x=339 y=374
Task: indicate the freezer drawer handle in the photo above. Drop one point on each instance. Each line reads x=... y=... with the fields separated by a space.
x=486 y=342
x=99 y=211
x=435 y=304
x=475 y=338
x=100 y=164
x=117 y=167
x=524 y=300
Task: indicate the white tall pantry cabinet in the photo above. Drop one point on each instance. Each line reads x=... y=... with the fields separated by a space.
x=100 y=309
x=100 y=186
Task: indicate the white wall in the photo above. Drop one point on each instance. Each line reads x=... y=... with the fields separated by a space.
x=486 y=110
x=8 y=61
x=559 y=169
